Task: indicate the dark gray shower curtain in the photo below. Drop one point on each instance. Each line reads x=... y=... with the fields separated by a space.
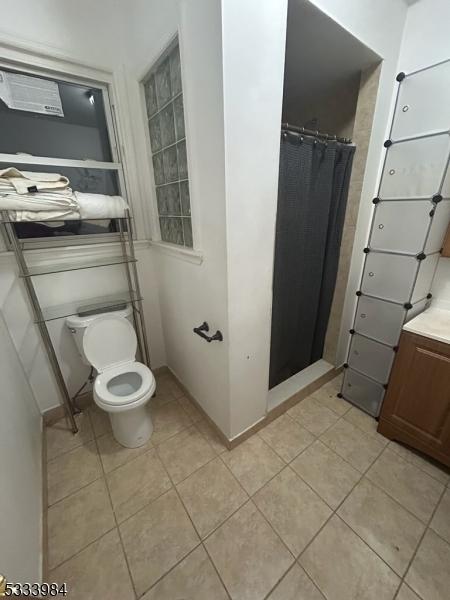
x=312 y=196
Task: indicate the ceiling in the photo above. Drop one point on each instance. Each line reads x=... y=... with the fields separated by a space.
x=319 y=53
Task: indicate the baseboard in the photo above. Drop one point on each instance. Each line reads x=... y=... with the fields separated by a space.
x=270 y=415
x=56 y=413
x=187 y=393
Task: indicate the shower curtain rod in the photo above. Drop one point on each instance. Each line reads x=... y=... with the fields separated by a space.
x=325 y=136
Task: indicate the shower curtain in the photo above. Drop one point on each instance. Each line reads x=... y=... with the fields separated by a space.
x=312 y=196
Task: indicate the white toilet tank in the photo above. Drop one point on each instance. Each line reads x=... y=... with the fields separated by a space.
x=77 y=326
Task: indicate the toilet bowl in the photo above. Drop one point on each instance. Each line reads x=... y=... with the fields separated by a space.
x=123 y=386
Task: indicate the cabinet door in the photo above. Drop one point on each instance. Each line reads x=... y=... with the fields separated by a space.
x=418 y=397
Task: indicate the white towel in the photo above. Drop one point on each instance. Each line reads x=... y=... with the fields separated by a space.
x=100 y=206
x=43 y=215
x=38 y=202
x=24 y=180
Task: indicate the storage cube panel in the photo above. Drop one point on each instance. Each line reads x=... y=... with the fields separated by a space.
x=401 y=226
x=438 y=227
x=379 y=319
x=415 y=169
x=371 y=358
x=425 y=277
x=423 y=104
x=363 y=392
x=389 y=276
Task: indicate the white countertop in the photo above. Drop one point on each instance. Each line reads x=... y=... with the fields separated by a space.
x=433 y=323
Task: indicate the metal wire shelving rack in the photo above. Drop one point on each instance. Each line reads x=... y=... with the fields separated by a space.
x=42 y=315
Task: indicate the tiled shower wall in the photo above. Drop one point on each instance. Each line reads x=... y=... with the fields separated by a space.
x=411 y=215
x=365 y=109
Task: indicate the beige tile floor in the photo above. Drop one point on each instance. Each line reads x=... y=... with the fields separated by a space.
x=316 y=505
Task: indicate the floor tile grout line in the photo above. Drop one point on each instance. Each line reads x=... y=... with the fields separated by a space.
x=166 y=573
x=248 y=500
x=217 y=570
x=251 y=497
x=427 y=528
x=103 y=476
x=285 y=464
x=326 y=429
x=265 y=483
x=126 y=462
x=66 y=452
x=73 y=492
x=423 y=522
x=335 y=451
x=276 y=451
x=85 y=485
x=118 y=528
x=193 y=525
x=104 y=533
x=91 y=543
x=165 y=469
x=198 y=468
x=416 y=465
x=436 y=532
x=361 y=476
x=280 y=580
x=334 y=512
x=331 y=450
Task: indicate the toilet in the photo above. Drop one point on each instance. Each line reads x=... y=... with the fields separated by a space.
x=123 y=386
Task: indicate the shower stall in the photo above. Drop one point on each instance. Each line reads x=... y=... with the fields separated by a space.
x=313 y=187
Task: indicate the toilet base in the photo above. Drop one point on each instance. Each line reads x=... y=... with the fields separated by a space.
x=132 y=428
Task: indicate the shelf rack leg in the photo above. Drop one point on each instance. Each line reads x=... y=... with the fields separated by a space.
x=138 y=290
x=41 y=323
x=137 y=324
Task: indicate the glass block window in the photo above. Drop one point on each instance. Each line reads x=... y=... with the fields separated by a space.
x=165 y=113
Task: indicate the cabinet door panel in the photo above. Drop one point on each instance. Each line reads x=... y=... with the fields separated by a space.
x=418 y=397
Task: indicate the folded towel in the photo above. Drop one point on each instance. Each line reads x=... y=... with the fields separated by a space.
x=43 y=215
x=100 y=206
x=27 y=181
x=38 y=201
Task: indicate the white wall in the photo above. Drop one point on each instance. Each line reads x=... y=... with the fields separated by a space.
x=20 y=469
x=190 y=293
x=426 y=41
x=253 y=65
x=60 y=29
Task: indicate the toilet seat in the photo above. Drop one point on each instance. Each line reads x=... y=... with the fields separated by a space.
x=110 y=344
x=103 y=383
x=123 y=386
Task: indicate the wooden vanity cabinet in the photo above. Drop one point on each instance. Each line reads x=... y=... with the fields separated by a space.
x=416 y=407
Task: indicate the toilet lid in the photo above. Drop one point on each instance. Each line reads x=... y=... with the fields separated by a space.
x=109 y=341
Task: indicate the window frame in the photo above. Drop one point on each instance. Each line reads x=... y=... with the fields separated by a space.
x=105 y=85
x=188 y=252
